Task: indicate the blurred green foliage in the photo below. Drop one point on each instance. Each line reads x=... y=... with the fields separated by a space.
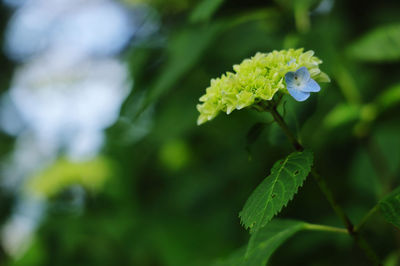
x=176 y=196
x=63 y=173
x=380 y=44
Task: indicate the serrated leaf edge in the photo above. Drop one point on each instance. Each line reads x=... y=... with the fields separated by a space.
x=285 y=161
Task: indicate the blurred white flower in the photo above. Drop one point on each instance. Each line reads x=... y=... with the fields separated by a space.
x=94 y=27
x=66 y=101
x=16 y=234
x=68 y=89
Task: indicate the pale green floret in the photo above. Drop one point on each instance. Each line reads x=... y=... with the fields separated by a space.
x=255 y=79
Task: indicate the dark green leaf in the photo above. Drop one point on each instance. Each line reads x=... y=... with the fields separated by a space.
x=381 y=44
x=390 y=207
x=235 y=259
x=204 y=10
x=185 y=48
x=389 y=97
x=263 y=243
x=342 y=114
x=276 y=190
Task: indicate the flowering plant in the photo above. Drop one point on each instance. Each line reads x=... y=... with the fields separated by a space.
x=254 y=83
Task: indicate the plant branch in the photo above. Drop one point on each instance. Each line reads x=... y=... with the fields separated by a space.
x=366 y=218
x=319 y=227
x=359 y=240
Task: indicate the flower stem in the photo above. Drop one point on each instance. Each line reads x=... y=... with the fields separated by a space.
x=278 y=118
x=359 y=240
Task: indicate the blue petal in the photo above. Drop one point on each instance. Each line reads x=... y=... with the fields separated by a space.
x=289 y=78
x=297 y=94
x=311 y=86
x=303 y=74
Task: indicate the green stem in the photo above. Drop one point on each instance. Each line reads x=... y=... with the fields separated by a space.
x=278 y=118
x=329 y=196
x=359 y=240
x=318 y=227
x=366 y=218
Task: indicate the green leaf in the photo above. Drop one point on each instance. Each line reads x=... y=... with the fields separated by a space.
x=381 y=44
x=342 y=114
x=276 y=190
x=345 y=77
x=392 y=259
x=91 y=174
x=205 y=10
x=302 y=14
x=185 y=49
x=390 y=207
x=235 y=259
x=263 y=243
x=389 y=98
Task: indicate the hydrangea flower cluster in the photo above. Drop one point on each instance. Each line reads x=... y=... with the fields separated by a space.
x=258 y=79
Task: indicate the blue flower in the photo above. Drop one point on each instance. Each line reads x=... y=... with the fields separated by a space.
x=300 y=84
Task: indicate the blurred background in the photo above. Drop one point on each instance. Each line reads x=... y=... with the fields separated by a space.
x=101 y=160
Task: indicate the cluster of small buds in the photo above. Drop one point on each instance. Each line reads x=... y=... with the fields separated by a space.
x=259 y=78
